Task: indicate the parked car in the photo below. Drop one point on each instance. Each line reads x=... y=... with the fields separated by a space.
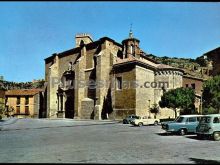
x=129 y=119
x=183 y=124
x=209 y=125
x=145 y=120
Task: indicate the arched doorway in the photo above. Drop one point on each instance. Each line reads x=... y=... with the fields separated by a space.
x=66 y=89
x=69 y=104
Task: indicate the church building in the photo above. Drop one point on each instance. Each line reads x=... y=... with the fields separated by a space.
x=104 y=79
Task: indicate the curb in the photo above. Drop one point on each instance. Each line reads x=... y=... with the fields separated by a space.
x=9 y=121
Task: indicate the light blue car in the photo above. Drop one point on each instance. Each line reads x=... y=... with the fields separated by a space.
x=183 y=124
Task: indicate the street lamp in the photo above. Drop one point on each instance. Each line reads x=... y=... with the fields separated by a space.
x=149 y=103
x=149 y=108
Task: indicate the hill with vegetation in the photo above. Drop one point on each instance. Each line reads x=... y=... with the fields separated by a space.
x=8 y=85
x=198 y=67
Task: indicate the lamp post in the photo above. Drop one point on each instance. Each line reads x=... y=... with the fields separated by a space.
x=149 y=107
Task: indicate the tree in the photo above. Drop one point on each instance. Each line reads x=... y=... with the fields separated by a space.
x=38 y=84
x=9 y=111
x=211 y=95
x=1 y=110
x=201 y=61
x=155 y=110
x=182 y=98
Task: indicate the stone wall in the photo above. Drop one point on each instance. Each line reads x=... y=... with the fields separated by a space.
x=52 y=87
x=188 y=81
x=143 y=94
x=175 y=80
x=124 y=99
x=214 y=56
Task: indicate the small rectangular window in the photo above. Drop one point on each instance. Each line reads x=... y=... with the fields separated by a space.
x=18 y=100
x=187 y=85
x=26 y=100
x=26 y=110
x=193 y=86
x=119 y=83
x=18 y=109
x=192 y=119
x=216 y=120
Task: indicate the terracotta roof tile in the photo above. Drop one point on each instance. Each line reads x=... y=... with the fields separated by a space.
x=22 y=92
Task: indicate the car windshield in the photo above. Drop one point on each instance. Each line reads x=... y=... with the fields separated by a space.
x=133 y=116
x=179 y=119
x=205 y=120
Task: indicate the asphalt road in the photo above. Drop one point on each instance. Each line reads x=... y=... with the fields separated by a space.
x=87 y=141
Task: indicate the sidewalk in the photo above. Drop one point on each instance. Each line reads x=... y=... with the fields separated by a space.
x=8 y=121
x=78 y=119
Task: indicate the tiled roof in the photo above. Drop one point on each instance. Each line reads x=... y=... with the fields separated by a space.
x=130 y=58
x=22 y=92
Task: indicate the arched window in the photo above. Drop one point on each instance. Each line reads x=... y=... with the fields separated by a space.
x=132 y=49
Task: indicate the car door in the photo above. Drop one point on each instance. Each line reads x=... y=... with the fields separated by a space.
x=145 y=121
x=191 y=124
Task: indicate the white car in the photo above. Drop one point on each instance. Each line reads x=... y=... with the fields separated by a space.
x=145 y=120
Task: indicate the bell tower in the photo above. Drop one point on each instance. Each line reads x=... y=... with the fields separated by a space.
x=131 y=46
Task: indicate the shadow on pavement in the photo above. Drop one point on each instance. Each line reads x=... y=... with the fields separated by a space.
x=196 y=138
x=204 y=161
x=151 y=125
x=55 y=127
x=166 y=134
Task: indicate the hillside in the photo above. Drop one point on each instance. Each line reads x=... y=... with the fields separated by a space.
x=22 y=85
x=198 y=67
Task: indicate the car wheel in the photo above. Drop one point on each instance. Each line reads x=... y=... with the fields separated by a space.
x=216 y=136
x=140 y=124
x=125 y=122
x=182 y=132
x=156 y=123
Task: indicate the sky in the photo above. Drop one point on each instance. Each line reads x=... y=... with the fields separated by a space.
x=33 y=31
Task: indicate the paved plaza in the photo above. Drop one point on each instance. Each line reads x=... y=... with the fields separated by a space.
x=89 y=141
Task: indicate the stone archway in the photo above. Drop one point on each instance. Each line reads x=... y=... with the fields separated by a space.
x=66 y=95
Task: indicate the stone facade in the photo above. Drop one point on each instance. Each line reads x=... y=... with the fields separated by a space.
x=197 y=85
x=213 y=57
x=104 y=79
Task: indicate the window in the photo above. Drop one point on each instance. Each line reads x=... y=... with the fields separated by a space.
x=132 y=49
x=26 y=100
x=216 y=120
x=193 y=86
x=187 y=85
x=18 y=109
x=18 y=100
x=26 y=110
x=205 y=120
x=198 y=118
x=119 y=83
x=179 y=119
x=192 y=119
